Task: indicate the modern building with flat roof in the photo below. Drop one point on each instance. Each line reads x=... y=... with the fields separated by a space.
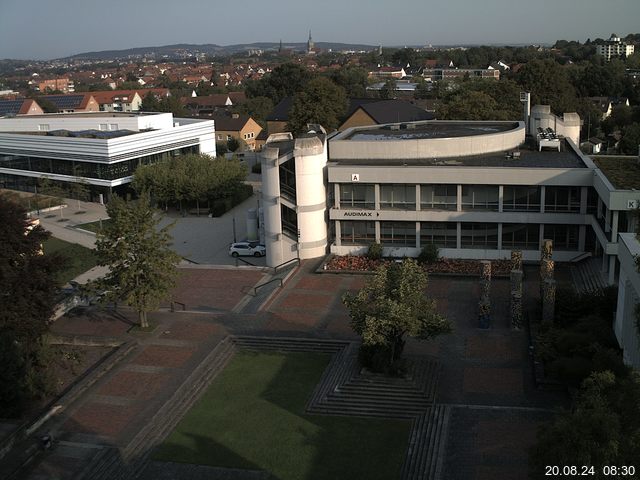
x=477 y=190
x=99 y=149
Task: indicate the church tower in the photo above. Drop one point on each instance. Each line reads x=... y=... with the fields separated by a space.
x=310 y=44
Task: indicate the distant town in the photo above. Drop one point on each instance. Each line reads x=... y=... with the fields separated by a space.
x=325 y=261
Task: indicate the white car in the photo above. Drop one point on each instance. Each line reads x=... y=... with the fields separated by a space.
x=247 y=249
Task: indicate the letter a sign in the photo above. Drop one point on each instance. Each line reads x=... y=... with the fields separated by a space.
x=355 y=177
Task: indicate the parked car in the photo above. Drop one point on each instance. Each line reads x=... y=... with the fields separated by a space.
x=244 y=249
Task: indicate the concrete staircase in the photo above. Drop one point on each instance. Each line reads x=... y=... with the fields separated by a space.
x=587 y=277
x=425 y=455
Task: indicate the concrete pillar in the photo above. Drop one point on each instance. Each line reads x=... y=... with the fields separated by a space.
x=607 y=221
x=612 y=269
x=271 y=206
x=458 y=235
x=500 y=200
x=336 y=194
x=541 y=238
x=582 y=236
x=614 y=226
x=600 y=204
x=338 y=240
x=377 y=232
x=605 y=259
x=584 y=191
x=499 y=236
x=418 y=235
x=459 y=199
x=418 y=197
x=376 y=196
x=542 y=198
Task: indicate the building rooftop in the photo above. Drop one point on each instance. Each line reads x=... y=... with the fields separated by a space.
x=622 y=172
x=429 y=130
x=525 y=156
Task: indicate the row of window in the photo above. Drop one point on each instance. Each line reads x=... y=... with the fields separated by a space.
x=473 y=235
x=474 y=197
x=77 y=168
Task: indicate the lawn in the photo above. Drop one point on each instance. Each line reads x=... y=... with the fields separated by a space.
x=252 y=417
x=79 y=258
x=94 y=226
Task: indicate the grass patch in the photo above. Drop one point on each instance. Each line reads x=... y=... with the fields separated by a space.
x=622 y=172
x=252 y=417
x=79 y=258
x=94 y=226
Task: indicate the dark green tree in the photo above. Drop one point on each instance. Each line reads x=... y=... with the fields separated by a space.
x=142 y=266
x=27 y=297
x=150 y=103
x=257 y=108
x=549 y=84
x=285 y=80
x=630 y=141
x=389 y=90
x=353 y=79
x=321 y=101
x=391 y=306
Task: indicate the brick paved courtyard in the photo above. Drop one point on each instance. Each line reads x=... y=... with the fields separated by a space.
x=485 y=376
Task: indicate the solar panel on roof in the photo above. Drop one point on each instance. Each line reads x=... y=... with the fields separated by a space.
x=66 y=102
x=10 y=107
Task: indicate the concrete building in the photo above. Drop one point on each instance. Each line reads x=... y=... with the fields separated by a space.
x=614 y=48
x=99 y=149
x=239 y=126
x=64 y=85
x=118 y=100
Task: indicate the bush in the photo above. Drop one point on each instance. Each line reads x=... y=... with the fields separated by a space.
x=222 y=205
x=375 y=251
x=429 y=254
x=257 y=167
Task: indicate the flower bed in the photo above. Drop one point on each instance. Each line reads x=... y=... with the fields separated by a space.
x=353 y=263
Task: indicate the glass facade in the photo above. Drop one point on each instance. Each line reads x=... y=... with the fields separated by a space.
x=480 y=197
x=79 y=168
x=565 y=237
x=516 y=198
x=562 y=199
x=357 y=233
x=521 y=236
x=398 y=234
x=439 y=197
x=287 y=173
x=289 y=220
x=398 y=197
x=480 y=235
x=357 y=196
x=442 y=234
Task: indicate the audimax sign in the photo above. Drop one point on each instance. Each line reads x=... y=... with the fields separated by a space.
x=360 y=214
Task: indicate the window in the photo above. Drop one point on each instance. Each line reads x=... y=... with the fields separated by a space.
x=113 y=126
x=357 y=196
x=398 y=234
x=228 y=137
x=439 y=197
x=289 y=222
x=521 y=199
x=102 y=126
x=357 y=233
x=480 y=197
x=287 y=173
x=442 y=234
x=564 y=237
x=480 y=235
x=562 y=199
x=219 y=137
x=43 y=127
x=522 y=236
x=398 y=197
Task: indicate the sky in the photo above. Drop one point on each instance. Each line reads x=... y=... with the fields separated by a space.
x=45 y=29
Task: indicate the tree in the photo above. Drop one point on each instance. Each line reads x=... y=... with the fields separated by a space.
x=28 y=288
x=142 y=266
x=150 y=103
x=257 y=108
x=389 y=89
x=353 y=79
x=482 y=100
x=393 y=305
x=630 y=141
x=549 y=84
x=321 y=101
x=284 y=81
x=602 y=428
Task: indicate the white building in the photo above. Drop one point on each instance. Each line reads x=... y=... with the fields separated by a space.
x=101 y=149
x=614 y=48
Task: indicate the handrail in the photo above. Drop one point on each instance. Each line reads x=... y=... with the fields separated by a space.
x=255 y=289
x=275 y=269
x=243 y=261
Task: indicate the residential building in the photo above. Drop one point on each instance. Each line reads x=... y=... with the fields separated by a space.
x=453 y=73
x=118 y=100
x=22 y=106
x=73 y=103
x=388 y=72
x=241 y=127
x=99 y=149
x=210 y=104
x=614 y=48
x=367 y=111
x=65 y=85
